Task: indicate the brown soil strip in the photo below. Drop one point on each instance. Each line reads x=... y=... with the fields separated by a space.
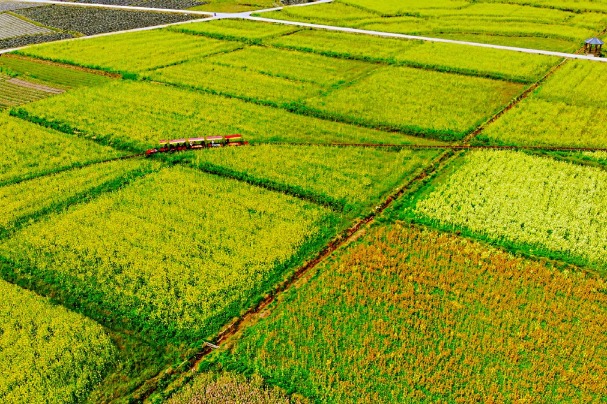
x=34 y=86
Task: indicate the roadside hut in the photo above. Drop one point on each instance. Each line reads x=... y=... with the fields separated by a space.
x=593 y=46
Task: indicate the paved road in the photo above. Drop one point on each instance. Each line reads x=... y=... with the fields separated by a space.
x=247 y=16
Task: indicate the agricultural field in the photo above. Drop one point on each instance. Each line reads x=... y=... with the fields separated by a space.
x=407 y=314
x=48 y=354
x=131 y=52
x=170 y=275
x=493 y=63
x=546 y=207
x=350 y=249
x=413 y=101
x=528 y=26
x=29 y=150
x=231 y=388
x=102 y=112
x=350 y=179
x=61 y=189
x=566 y=111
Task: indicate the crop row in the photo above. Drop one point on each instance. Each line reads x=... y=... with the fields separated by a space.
x=414 y=315
x=133 y=52
x=48 y=353
x=535 y=204
x=174 y=255
x=492 y=63
x=565 y=111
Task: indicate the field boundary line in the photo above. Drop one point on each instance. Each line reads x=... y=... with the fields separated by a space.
x=341 y=239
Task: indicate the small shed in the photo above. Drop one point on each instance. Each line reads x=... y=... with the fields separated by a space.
x=593 y=45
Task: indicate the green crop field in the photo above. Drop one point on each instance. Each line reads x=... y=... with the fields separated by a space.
x=210 y=268
x=48 y=354
x=566 y=111
x=345 y=178
x=493 y=63
x=398 y=220
x=131 y=52
x=29 y=150
x=527 y=25
x=549 y=206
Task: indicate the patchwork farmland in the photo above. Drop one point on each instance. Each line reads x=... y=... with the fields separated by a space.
x=228 y=204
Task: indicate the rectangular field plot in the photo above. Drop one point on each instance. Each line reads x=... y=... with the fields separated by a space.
x=48 y=353
x=63 y=77
x=29 y=150
x=11 y=26
x=133 y=52
x=32 y=199
x=438 y=56
x=106 y=112
x=15 y=92
x=292 y=65
x=418 y=102
x=568 y=110
x=176 y=254
x=236 y=82
x=349 y=178
x=536 y=204
x=235 y=29
x=413 y=315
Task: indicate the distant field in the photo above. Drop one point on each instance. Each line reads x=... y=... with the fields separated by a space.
x=11 y=26
x=566 y=111
x=91 y=21
x=525 y=25
x=353 y=179
x=407 y=314
x=413 y=101
x=437 y=56
x=232 y=29
x=536 y=204
x=48 y=354
x=174 y=265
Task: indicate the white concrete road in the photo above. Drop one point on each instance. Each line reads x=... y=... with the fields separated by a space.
x=247 y=16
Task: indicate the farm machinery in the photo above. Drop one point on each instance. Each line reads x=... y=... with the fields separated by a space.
x=194 y=143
